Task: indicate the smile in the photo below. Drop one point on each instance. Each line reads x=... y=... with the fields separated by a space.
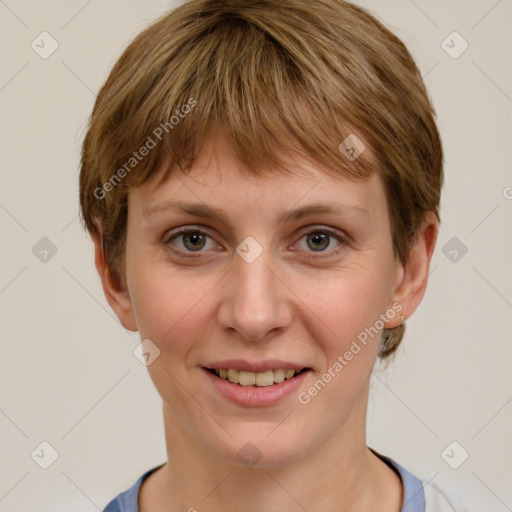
x=256 y=385
x=258 y=379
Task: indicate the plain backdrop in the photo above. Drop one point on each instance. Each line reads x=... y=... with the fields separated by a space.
x=68 y=375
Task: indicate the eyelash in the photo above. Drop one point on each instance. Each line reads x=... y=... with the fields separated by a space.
x=189 y=254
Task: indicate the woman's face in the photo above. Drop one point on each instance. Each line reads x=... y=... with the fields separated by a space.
x=271 y=283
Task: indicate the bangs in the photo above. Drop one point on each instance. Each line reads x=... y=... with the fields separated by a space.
x=239 y=80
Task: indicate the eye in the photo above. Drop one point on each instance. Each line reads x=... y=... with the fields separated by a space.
x=191 y=240
x=320 y=240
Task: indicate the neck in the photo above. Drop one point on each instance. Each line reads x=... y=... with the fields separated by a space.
x=342 y=475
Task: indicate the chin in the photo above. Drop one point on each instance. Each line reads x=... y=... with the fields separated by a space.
x=257 y=447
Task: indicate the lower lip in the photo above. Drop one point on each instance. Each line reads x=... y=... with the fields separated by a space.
x=253 y=396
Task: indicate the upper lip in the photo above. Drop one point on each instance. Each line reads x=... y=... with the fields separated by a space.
x=255 y=367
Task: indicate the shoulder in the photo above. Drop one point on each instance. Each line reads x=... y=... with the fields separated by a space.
x=127 y=501
x=422 y=496
x=448 y=493
x=413 y=495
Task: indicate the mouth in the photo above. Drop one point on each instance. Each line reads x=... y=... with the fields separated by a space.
x=265 y=378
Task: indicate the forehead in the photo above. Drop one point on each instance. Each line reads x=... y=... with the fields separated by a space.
x=217 y=180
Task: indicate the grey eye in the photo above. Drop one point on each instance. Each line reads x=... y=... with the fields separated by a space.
x=320 y=241
x=194 y=240
x=191 y=241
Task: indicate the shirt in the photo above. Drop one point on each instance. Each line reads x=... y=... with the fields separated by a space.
x=416 y=498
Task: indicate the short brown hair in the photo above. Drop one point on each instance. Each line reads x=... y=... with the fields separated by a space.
x=276 y=76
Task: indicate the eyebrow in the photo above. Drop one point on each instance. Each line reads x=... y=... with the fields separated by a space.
x=211 y=212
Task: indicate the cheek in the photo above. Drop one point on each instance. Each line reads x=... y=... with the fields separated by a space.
x=168 y=303
x=342 y=307
x=340 y=316
x=171 y=309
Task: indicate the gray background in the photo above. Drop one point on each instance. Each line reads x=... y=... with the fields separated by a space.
x=68 y=375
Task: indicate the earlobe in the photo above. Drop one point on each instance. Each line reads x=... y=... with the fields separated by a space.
x=412 y=278
x=115 y=292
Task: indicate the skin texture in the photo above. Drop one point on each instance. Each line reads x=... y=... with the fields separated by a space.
x=281 y=306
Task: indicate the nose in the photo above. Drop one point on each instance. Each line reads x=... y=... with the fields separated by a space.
x=255 y=302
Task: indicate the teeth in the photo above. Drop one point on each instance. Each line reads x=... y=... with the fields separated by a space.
x=247 y=379
x=261 y=379
x=264 y=378
x=233 y=376
x=279 y=375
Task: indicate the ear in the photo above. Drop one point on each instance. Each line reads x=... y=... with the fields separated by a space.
x=115 y=292
x=412 y=278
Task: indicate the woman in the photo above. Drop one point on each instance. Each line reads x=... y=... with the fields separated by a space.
x=262 y=180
